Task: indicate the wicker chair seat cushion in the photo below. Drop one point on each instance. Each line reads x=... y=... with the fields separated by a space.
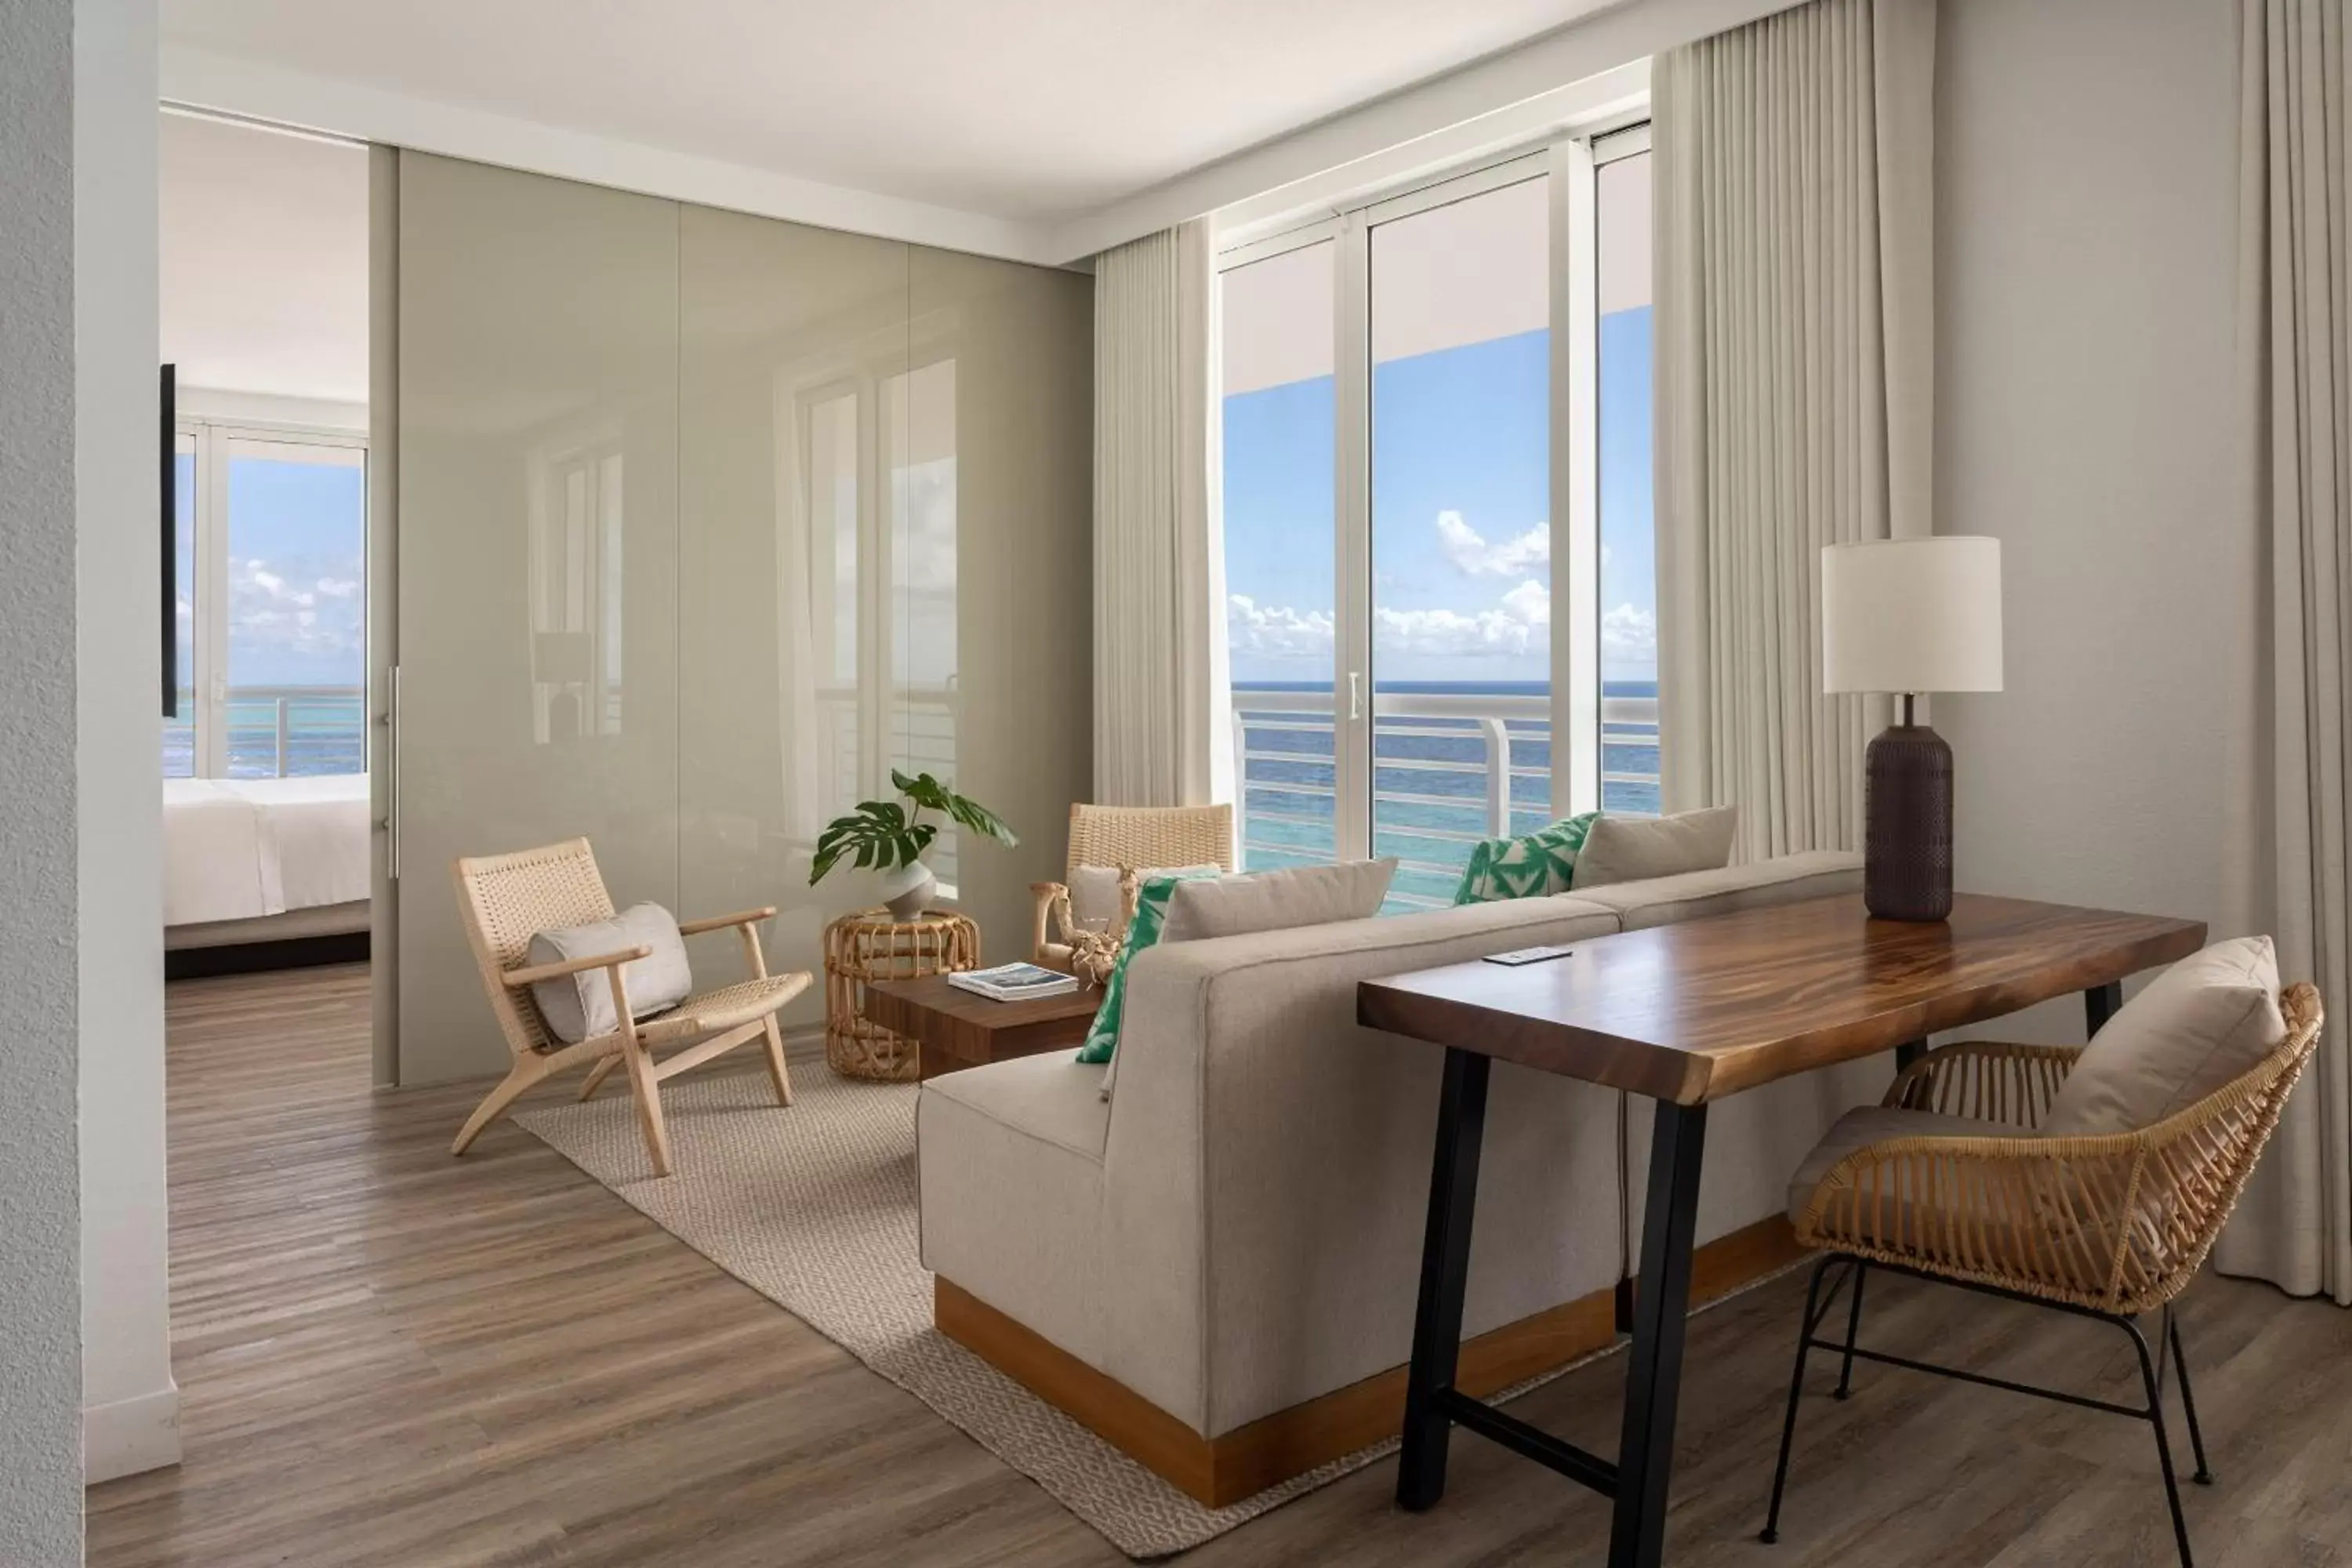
x=580 y=1007
x=2195 y=1027
x=723 y=1009
x=1868 y=1124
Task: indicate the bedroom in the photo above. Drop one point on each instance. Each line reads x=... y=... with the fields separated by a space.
x=265 y=327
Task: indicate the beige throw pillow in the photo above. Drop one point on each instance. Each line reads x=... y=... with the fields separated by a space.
x=1277 y=900
x=2201 y=1023
x=1635 y=848
x=579 y=1006
x=1269 y=900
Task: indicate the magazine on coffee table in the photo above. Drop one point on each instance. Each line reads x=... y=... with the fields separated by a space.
x=1015 y=982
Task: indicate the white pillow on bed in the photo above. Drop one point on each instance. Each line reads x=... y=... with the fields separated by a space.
x=576 y=1007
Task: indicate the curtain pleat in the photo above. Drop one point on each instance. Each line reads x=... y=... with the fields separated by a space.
x=1158 y=567
x=2294 y=1225
x=1794 y=388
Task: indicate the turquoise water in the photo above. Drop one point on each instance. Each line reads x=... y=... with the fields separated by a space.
x=1288 y=801
x=326 y=732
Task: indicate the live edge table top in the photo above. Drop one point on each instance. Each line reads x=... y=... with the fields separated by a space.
x=1694 y=1011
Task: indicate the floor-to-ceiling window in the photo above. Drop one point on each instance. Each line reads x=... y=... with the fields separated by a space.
x=1436 y=427
x=272 y=556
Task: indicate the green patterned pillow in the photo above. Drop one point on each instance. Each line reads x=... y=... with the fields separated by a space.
x=1143 y=931
x=1539 y=864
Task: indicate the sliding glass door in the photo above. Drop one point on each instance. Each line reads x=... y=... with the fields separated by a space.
x=1434 y=409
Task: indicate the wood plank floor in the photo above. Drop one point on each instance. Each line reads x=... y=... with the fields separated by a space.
x=392 y=1357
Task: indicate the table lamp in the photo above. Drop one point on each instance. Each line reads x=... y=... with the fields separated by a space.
x=1907 y=616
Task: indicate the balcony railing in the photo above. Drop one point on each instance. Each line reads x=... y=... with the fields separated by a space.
x=278 y=732
x=1449 y=769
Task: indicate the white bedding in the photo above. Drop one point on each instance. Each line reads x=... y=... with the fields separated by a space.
x=243 y=849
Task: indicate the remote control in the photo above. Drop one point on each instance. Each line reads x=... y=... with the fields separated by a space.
x=1531 y=954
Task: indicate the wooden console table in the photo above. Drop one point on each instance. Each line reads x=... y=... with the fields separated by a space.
x=953 y=1028
x=1686 y=1014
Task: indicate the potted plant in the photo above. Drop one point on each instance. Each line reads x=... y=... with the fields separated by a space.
x=890 y=838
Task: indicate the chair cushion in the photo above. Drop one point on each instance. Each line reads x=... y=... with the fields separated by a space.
x=2207 y=1019
x=1633 y=848
x=577 y=1007
x=1869 y=1125
x=1095 y=903
x=1532 y=866
x=1277 y=900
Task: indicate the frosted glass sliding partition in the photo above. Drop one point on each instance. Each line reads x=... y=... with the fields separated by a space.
x=538 y=601
x=707 y=521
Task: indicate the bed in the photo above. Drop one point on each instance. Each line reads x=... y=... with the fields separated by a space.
x=264 y=861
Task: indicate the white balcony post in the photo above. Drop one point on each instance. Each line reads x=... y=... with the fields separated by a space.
x=1241 y=792
x=1498 y=778
x=283 y=737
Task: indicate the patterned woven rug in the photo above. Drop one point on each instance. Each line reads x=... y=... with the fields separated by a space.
x=815 y=1208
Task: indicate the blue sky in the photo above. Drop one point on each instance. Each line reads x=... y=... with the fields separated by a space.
x=1460 y=497
x=297 y=571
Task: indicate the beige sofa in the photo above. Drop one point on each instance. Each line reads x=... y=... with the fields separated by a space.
x=1216 y=1268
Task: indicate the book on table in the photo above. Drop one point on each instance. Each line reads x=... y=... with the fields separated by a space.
x=1014 y=982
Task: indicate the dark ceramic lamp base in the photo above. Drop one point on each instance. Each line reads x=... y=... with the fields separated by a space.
x=1907 y=848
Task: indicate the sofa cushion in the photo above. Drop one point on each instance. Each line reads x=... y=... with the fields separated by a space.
x=1046 y=1096
x=2202 y=1022
x=1277 y=900
x=1634 y=848
x=1531 y=866
x=1664 y=901
x=579 y=1006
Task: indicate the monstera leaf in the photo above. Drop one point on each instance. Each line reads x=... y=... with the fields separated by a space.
x=881 y=835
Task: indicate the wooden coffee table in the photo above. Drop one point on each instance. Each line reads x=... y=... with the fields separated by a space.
x=955 y=1028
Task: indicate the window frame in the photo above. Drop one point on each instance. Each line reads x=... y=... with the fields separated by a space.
x=1570 y=161
x=208 y=628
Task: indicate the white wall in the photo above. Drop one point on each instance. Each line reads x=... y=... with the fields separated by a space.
x=40 y=1502
x=130 y=1405
x=2086 y=263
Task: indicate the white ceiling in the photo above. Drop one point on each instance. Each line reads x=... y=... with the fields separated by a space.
x=1031 y=111
x=265 y=262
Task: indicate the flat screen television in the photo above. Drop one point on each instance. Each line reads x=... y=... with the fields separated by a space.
x=170 y=472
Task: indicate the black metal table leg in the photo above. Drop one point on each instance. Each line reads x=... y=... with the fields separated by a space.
x=1909 y=1051
x=1445 y=1271
x=1645 y=1451
x=2101 y=1003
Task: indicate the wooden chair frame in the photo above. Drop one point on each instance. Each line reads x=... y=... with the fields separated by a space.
x=1132 y=836
x=2108 y=1227
x=509 y=899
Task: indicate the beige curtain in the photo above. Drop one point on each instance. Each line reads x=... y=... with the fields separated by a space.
x=1794 y=165
x=2293 y=1225
x=1160 y=736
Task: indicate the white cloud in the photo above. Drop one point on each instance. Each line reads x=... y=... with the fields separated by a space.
x=267 y=612
x=1519 y=625
x=1468 y=550
x=339 y=587
x=1278 y=633
x=1630 y=631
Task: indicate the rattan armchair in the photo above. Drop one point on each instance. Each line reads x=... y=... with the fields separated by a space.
x=2108 y=1227
x=1133 y=836
x=506 y=899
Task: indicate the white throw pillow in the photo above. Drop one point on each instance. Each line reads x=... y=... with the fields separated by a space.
x=1095 y=901
x=2201 y=1023
x=1277 y=900
x=577 y=1007
x=1270 y=900
x=1636 y=848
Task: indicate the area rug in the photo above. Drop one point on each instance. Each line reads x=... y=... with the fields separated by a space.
x=815 y=1208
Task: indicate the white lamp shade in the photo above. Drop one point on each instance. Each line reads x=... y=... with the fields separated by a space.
x=1911 y=615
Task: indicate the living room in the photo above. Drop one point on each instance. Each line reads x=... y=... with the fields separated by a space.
x=819 y=508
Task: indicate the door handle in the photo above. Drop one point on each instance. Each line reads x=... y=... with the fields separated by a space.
x=1355 y=697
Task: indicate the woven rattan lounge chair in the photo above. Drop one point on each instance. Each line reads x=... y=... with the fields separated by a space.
x=506 y=899
x=2106 y=1227
x=1133 y=836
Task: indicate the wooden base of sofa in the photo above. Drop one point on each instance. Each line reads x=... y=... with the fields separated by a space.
x=1241 y=1463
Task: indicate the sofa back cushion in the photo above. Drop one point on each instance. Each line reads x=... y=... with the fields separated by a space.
x=2202 y=1022
x=1635 y=848
x=1694 y=895
x=1278 y=901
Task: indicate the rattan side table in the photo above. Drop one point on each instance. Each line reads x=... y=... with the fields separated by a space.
x=874 y=945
